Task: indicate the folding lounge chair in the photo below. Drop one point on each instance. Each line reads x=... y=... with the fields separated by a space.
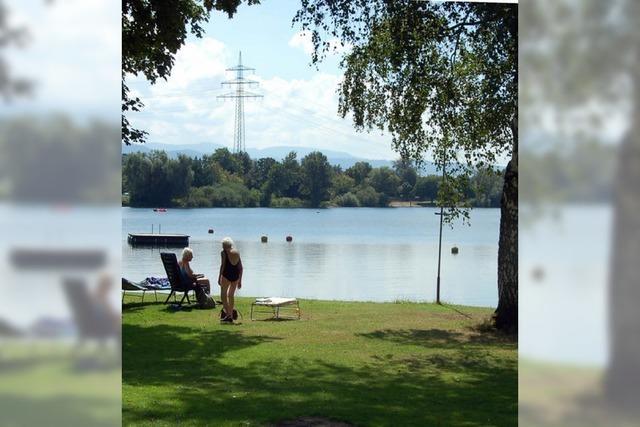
x=170 y=262
x=88 y=315
x=128 y=285
x=276 y=304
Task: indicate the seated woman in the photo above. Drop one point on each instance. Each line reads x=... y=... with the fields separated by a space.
x=230 y=277
x=188 y=275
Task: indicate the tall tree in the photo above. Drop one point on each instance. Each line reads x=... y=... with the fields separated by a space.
x=560 y=80
x=227 y=160
x=259 y=173
x=427 y=187
x=316 y=177
x=440 y=77
x=359 y=171
x=293 y=175
x=152 y=33
x=384 y=181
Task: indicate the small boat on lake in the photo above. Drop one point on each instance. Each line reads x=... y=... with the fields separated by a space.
x=159 y=209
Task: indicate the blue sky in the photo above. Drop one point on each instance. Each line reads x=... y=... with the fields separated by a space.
x=300 y=102
x=73 y=56
x=263 y=33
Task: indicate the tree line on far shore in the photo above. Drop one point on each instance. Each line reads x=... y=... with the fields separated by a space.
x=225 y=179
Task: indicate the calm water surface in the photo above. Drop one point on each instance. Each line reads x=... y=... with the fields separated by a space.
x=344 y=254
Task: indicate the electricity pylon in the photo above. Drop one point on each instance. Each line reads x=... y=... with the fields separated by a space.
x=239 y=95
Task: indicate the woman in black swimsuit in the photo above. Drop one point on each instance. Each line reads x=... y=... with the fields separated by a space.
x=230 y=276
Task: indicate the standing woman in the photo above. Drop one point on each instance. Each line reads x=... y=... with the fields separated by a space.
x=230 y=277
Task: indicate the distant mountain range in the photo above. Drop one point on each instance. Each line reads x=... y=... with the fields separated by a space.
x=342 y=159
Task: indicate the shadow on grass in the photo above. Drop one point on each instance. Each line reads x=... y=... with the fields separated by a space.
x=186 y=365
x=443 y=339
x=63 y=410
x=135 y=306
x=450 y=307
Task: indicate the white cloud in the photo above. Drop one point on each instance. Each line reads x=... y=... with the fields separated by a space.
x=201 y=60
x=72 y=55
x=302 y=40
x=296 y=112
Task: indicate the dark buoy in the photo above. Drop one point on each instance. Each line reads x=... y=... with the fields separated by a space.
x=211 y=231
x=454 y=250
x=263 y=239
x=538 y=273
x=289 y=239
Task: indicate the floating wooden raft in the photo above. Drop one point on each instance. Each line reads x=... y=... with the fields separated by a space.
x=158 y=239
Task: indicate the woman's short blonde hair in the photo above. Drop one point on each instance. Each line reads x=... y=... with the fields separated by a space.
x=227 y=242
x=186 y=252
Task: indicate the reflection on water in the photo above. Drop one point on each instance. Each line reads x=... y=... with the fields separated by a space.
x=341 y=254
x=563 y=286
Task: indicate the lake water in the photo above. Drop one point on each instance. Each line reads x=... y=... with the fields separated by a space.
x=360 y=254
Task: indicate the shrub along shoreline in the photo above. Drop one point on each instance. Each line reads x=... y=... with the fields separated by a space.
x=226 y=179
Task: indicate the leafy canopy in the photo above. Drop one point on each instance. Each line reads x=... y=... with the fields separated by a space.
x=152 y=33
x=441 y=78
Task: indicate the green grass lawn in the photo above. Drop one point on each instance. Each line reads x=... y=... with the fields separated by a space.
x=564 y=395
x=362 y=363
x=57 y=384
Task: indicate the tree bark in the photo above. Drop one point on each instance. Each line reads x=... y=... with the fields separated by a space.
x=623 y=374
x=506 y=315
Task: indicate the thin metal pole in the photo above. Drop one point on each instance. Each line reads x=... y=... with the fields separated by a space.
x=440 y=238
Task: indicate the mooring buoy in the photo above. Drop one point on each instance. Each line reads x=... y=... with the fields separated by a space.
x=454 y=250
x=211 y=231
x=289 y=239
x=263 y=239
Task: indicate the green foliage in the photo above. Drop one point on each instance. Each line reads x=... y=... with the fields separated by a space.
x=427 y=187
x=487 y=187
x=359 y=172
x=384 y=181
x=406 y=171
x=348 y=200
x=152 y=34
x=53 y=159
x=154 y=179
x=283 y=179
x=227 y=195
x=259 y=174
x=581 y=172
x=293 y=175
x=287 y=202
x=341 y=184
x=440 y=77
x=227 y=161
x=369 y=197
x=316 y=178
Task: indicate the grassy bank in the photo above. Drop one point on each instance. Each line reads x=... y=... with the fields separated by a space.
x=59 y=384
x=565 y=395
x=362 y=363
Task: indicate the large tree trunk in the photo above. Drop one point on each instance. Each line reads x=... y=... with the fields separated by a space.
x=623 y=375
x=506 y=315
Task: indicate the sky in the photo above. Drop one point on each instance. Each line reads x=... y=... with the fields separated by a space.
x=299 y=104
x=73 y=56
